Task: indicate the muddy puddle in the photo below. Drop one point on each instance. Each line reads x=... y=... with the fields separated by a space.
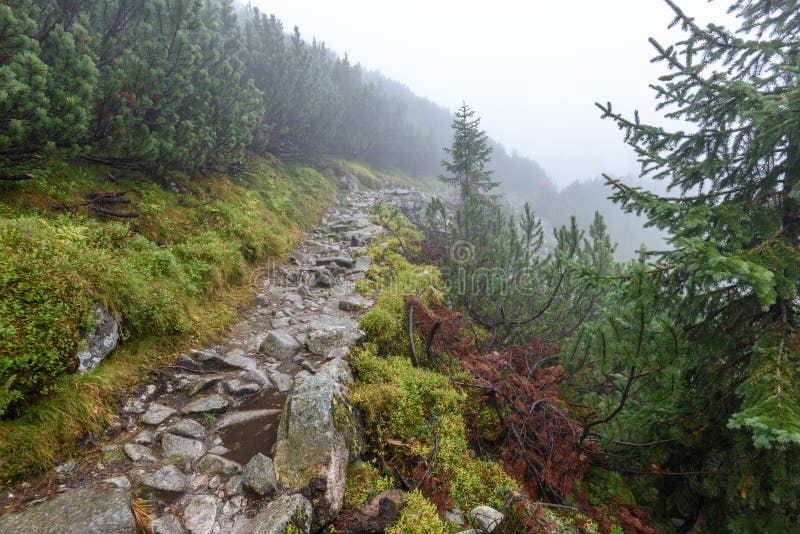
x=247 y=439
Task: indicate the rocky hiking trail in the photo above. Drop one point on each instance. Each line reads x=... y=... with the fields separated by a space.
x=250 y=435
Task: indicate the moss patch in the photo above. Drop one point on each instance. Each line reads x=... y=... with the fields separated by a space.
x=414 y=416
x=419 y=517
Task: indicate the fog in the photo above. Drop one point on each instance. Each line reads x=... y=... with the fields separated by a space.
x=532 y=70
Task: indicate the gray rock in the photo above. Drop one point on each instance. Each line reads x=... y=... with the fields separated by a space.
x=204 y=355
x=100 y=341
x=145 y=437
x=66 y=467
x=234 y=418
x=281 y=323
x=322 y=277
x=455 y=516
x=339 y=352
x=157 y=414
x=485 y=519
x=237 y=387
x=262 y=300
x=211 y=403
x=203 y=383
x=280 y=344
x=139 y=453
x=219 y=450
x=134 y=405
x=234 y=359
x=201 y=514
x=121 y=482
x=342 y=260
x=294 y=298
x=237 y=360
x=211 y=464
x=186 y=448
x=259 y=475
x=234 y=485
x=275 y=518
x=168 y=478
x=317 y=435
x=188 y=428
x=167 y=524
x=354 y=303
x=256 y=376
x=76 y=511
x=324 y=340
x=282 y=381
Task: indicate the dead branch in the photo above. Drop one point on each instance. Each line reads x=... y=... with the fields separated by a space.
x=411 y=334
x=122 y=215
x=17 y=177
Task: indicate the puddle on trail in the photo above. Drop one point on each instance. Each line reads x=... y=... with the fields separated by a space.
x=247 y=439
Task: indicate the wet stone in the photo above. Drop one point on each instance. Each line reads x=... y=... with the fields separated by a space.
x=211 y=464
x=157 y=414
x=188 y=428
x=139 y=453
x=204 y=383
x=211 y=403
x=167 y=524
x=185 y=448
x=201 y=514
x=280 y=344
x=168 y=479
x=235 y=418
x=237 y=387
x=259 y=475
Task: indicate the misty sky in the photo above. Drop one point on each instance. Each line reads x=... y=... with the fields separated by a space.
x=531 y=69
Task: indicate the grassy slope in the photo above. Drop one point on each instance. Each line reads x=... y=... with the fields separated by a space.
x=173 y=277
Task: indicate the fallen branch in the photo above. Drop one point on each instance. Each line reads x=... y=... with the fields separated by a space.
x=17 y=177
x=411 y=334
x=122 y=215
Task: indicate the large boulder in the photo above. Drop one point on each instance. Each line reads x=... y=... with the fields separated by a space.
x=277 y=516
x=100 y=341
x=76 y=511
x=318 y=435
x=280 y=344
x=259 y=475
x=323 y=340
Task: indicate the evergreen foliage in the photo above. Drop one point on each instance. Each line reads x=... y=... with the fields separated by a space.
x=694 y=377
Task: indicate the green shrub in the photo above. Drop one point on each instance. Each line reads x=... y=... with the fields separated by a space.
x=418 y=517
x=414 y=413
x=364 y=482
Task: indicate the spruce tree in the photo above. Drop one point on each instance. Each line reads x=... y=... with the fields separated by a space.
x=470 y=153
x=713 y=322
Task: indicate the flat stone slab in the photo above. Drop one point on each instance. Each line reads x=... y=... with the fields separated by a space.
x=188 y=428
x=139 y=453
x=326 y=339
x=157 y=413
x=211 y=403
x=76 y=511
x=169 y=478
x=185 y=448
x=212 y=464
x=275 y=518
x=234 y=418
x=201 y=514
x=280 y=344
x=259 y=475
